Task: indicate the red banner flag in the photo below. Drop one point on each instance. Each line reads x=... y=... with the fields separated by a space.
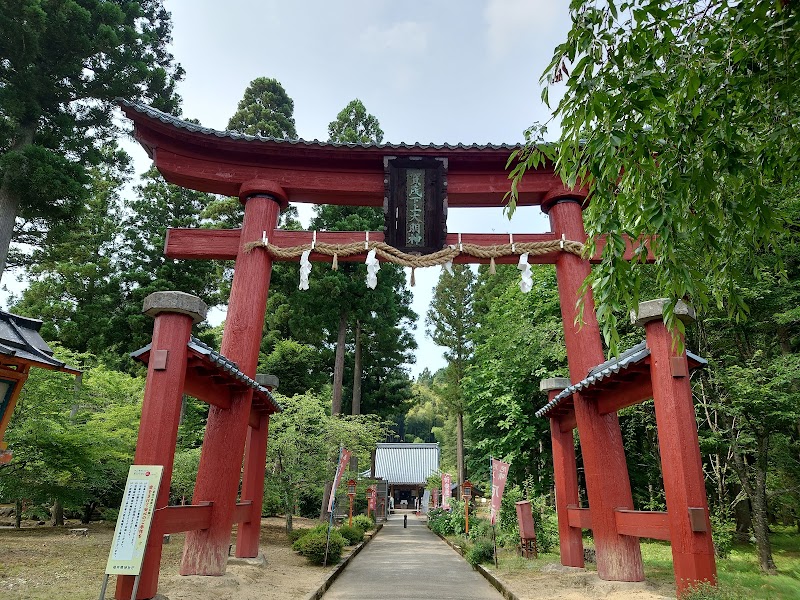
x=499 y=476
x=372 y=497
x=344 y=460
x=435 y=498
x=446 y=490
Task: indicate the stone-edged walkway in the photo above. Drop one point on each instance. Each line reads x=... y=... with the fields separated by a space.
x=409 y=564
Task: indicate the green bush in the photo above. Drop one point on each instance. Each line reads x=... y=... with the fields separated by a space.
x=480 y=529
x=706 y=591
x=312 y=546
x=439 y=521
x=458 y=521
x=481 y=552
x=300 y=532
x=363 y=522
x=353 y=535
x=722 y=534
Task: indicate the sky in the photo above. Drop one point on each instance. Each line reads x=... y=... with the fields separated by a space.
x=431 y=72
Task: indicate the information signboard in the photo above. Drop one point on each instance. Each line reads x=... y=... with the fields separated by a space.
x=134 y=521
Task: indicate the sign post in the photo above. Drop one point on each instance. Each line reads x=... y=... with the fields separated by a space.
x=467 y=496
x=133 y=524
x=351 y=494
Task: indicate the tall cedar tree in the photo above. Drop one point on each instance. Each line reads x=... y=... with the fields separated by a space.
x=144 y=269
x=265 y=110
x=519 y=342
x=353 y=124
x=64 y=63
x=681 y=120
x=450 y=323
x=74 y=284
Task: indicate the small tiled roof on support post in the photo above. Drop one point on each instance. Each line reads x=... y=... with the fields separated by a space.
x=629 y=368
x=21 y=347
x=207 y=364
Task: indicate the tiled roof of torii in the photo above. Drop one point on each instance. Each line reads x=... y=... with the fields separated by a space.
x=233 y=135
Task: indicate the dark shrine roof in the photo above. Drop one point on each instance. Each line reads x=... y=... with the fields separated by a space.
x=223 y=366
x=630 y=358
x=167 y=119
x=19 y=338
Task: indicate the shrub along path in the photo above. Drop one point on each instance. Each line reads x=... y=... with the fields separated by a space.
x=409 y=564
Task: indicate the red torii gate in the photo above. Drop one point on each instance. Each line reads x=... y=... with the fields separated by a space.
x=266 y=174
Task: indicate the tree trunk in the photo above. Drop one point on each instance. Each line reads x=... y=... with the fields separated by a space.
x=88 y=509
x=357 y=372
x=9 y=202
x=462 y=474
x=18 y=513
x=323 y=511
x=57 y=514
x=756 y=490
x=356 y=387
x=338 y=368
x=289 y=508
x=9 y=207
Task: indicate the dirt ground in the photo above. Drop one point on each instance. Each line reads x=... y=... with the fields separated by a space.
x=555 y=582
x=42 y=562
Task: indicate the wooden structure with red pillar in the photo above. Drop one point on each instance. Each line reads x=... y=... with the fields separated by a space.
x=179 y=364
x=21 y=347
x=651 y=369
x=265 y=174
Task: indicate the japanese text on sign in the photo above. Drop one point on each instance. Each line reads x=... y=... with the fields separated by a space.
x=134 y=521
x=415 y=207
x=499 y=476
x=446 y=490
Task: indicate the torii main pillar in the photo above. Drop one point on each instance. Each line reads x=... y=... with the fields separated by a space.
x=608 y=485
x=205 y=551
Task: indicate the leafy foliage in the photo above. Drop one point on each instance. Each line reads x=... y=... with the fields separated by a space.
x=519 y=342
x=354 y=124
x=266 y=110
x=482 y=551
x=363 y=522
x=313 y=545
x=64 y=63
x=678 y=117
x=72 y=443
x=353 y=535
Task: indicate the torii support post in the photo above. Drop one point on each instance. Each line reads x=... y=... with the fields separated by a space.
x=174 y=313
x=205 y=551
x=565 y=473
x=255 y=462
x=684 y=485
x=608 y=486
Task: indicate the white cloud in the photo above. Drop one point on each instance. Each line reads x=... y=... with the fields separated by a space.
x=515 y=24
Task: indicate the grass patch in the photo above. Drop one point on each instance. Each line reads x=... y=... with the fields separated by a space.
x=739 y=574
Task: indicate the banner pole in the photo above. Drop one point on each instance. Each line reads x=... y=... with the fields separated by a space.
x=333 y=508
x=104 y=586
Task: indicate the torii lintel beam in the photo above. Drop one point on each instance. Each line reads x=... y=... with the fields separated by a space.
x=223 y=244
